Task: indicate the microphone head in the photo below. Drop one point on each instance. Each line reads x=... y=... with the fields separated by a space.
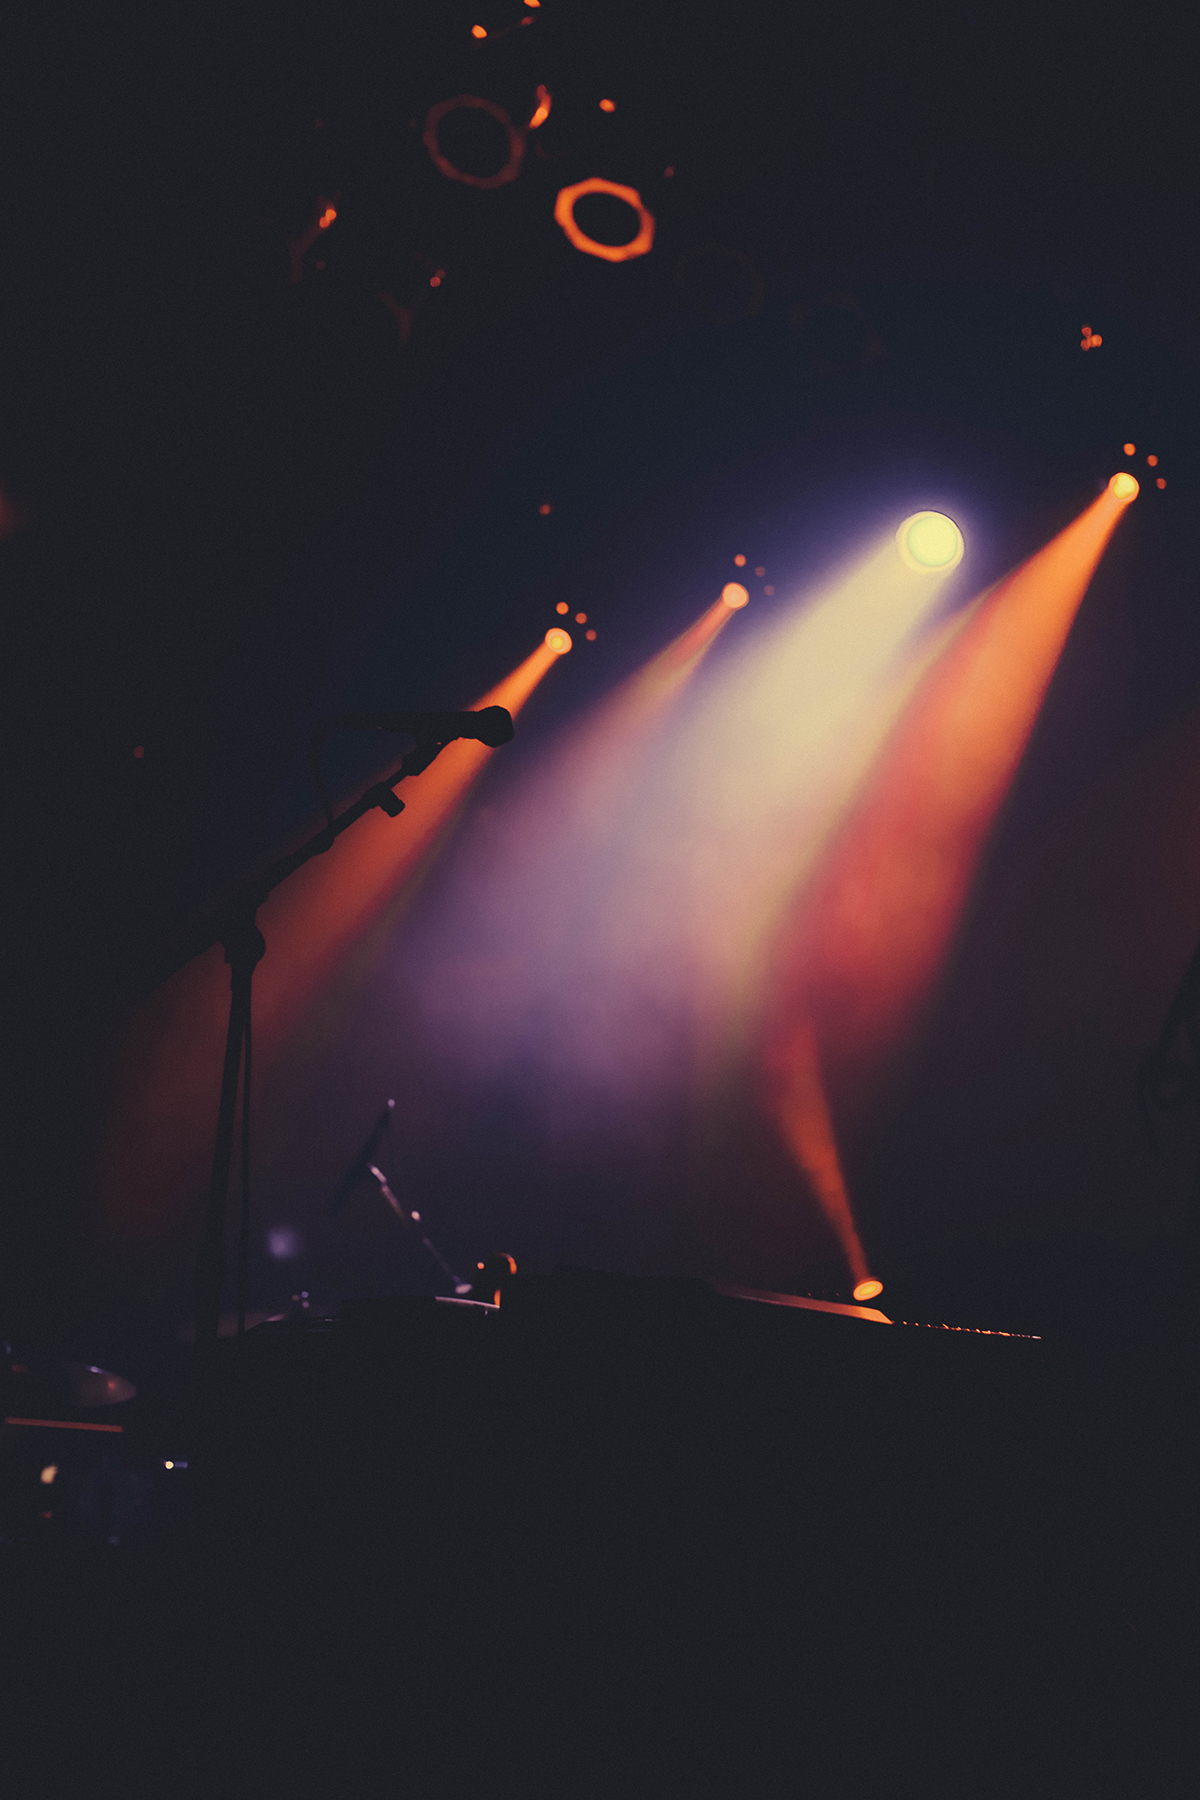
x=494 y=726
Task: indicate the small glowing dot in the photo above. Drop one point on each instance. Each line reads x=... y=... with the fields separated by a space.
x=48 y=1473
x=590 y=636
x=562 y=607
x=1123 y=486
x=479 y=1265
x=1153 y=461
x=1129 y=449
x=669 y=171
x=930 y=542
x=477 y=31
x=760 y=573
x=1160 y=483
x=168 y=1464
x=327 y=217
x=581 y=618
x=739 y=562
x=139 y=750
x=435 y=281
x=1087 y=330
x=544 y=509
x=608 y=106
x=1096 y=341
x=558 y=640
x=734 y=594
x=768 y=589
x=414 y=1214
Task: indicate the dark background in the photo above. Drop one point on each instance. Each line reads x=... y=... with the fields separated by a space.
x=224 y=490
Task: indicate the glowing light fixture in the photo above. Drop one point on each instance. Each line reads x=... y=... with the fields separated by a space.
x=867 y=1290
x=1124 y=487
x=734 y=594
x=558 y=640
x=608 y=106
x=477 y=31
x=564 y=215
x=473 y=103
x=930 y=543
x=562 y=607
x=48 y=1474
x=327 y=217
x=1129 y=449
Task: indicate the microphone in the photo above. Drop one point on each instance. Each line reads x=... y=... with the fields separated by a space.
x=491 y=725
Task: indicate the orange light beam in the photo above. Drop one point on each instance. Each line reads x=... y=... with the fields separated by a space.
x=865 y=948
x=801 y=1111
x=168 y=1075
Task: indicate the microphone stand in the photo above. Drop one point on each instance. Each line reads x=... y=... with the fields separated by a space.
x=236 y=928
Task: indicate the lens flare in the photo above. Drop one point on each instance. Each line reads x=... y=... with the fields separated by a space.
x=558 y=640
x=930 y=542
x=1124 y=487
x=734 y=594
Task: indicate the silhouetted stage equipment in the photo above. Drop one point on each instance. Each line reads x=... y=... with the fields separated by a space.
x=611 y=1498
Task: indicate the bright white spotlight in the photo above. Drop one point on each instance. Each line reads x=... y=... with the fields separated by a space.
x=930 y=543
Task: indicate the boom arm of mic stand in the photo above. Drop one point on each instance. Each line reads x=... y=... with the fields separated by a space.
x=235 y=926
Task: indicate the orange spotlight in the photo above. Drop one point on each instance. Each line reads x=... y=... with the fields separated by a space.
x=557 y=640
x=545 y=98
x=1160 y=483
x=1153 y=461
x=1124 y=487
x=734 y=594
x=545 y=509
x=860 y=955
x=801 y=1111
x=564 y=214
x=477 y=31
x=739 y=562
x=1129 y=449
x=581 y=618
x=562 y=607
x=590 y=636
x=320 y=927
x=327 y=217
x=608 y=106
x=867 y=1290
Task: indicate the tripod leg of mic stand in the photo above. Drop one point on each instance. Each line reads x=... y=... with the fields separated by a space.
x=242 y=952
x=460 y=1287
x=244 y=1245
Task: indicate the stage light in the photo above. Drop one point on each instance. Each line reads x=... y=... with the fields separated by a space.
x=867 y=1290
x=558 y=640
x=739 y=562
x=1129 y=449
x=734 y=594
x=608 y=106
x=930 y=543
x=1153 y=461
x=581 y=618
x=1160 y=483
x=477 y=31
x=48 y=1474
x=1124 y=487
x=542 y=111
x=564 y=216
x=562 y=607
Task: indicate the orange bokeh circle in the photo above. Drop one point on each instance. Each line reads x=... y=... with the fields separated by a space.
x=516 y=141
x=564 y=214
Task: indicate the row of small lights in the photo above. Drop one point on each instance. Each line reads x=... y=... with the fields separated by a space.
x=1131 y=450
